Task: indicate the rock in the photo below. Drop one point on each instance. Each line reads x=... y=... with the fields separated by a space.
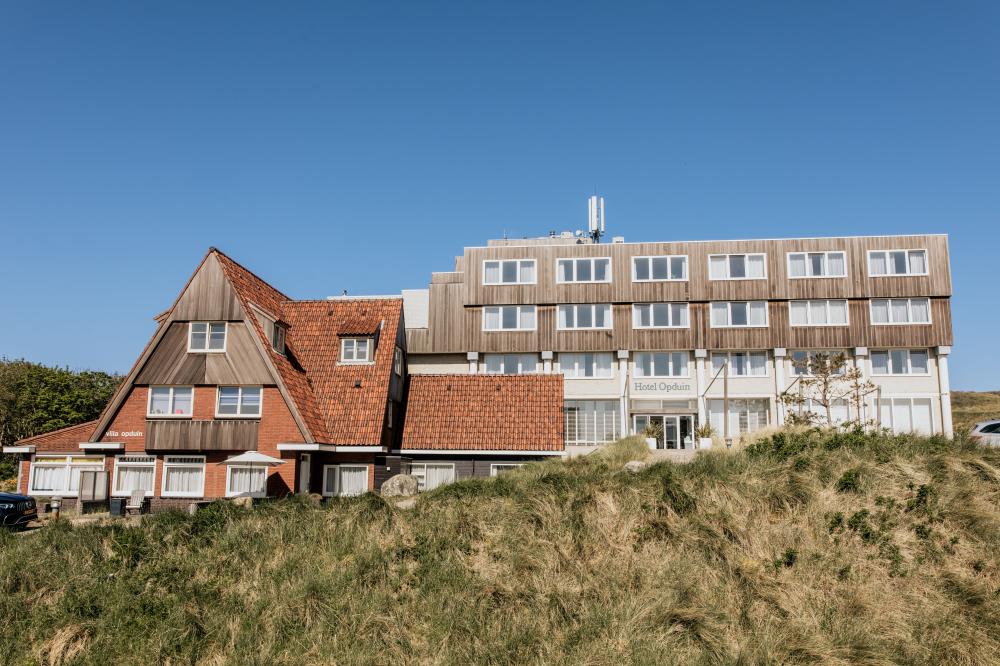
x=315 y=499
x=634 y=466
x=401 y=485
x=243 y=501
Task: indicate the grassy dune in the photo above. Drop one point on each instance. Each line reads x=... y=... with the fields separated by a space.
x=970 y=407
x=803 y=548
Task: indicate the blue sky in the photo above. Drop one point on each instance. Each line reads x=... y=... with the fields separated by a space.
x=361 y=145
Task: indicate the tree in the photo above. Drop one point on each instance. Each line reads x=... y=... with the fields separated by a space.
x=825 y=381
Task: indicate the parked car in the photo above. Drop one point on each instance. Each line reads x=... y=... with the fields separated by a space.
x=16 y=511
x=987 y=432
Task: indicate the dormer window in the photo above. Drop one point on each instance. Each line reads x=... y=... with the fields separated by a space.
x=206 y=336
x=278 y=338
x=355 y=350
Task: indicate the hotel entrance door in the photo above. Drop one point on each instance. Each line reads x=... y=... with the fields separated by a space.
x=676 y=432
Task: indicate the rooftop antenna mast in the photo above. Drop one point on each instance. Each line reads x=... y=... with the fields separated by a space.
x=595 y=217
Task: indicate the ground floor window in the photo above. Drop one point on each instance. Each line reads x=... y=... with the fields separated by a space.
x=60 y=475
x=345 y=480
x=134 y=473
x=902 y=415
x=431 y=475
x=183 y=476
x=745 y=415
x=499 y=468
x=840 y=411
x=590 y=422
x=246 y=481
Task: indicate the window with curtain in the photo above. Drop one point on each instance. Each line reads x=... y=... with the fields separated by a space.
x=661 y=268
x=661 y=364
x=60 y=475
x=905 y=415
x=345 y=480
x=839 y=411
x=238 y=401
x=586 y=365
x=173 y=401
x=817 y=264
x=900 y=362
x=832 y=312
x=660 y=315
x=509 y=318
x=587 y=316
x=591 y=422
x=246 y=481
x=900 y=311
x=134 y=473
x=511 y=364
x=509 y=271
x=738 y=314
x=882 y=263
x=432 y=475
x=183 y=476
x=355 y=350
x=742 y=363
x=737 y=266
x=596 y=269
x=499 y=468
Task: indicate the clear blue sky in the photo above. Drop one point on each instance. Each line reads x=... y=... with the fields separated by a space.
x=361 y=145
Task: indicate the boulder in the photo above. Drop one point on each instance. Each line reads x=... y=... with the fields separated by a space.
x=634 y=466
x=401 y=485
x=246 y=502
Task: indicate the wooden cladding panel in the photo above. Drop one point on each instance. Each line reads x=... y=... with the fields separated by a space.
x=446 y=317
x=209 y=297
x=170 y=362
x=185 y=435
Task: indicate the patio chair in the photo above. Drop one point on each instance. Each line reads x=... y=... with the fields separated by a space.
x=136 y=501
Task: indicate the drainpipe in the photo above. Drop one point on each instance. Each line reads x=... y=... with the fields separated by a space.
x=699 y=362
x=623 y=389
x=860 y=354
x=779 y=382
x=944 y=386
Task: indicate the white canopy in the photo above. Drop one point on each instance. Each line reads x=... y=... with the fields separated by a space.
x=254 y=458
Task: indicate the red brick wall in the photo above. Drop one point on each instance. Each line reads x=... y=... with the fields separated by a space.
x=278 y=426
x=129 y=424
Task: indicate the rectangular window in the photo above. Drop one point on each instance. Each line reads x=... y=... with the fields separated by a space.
x=278 y=338
x=829 y=312
x=817 y=264
x=839 y=411
x=660 y=315
x=183 y=476
x=397 y=362
x=134 y=473
x=661 y=364
x=509 y=271
x=207 y=336
x=246 y=481
x=170 y=401
x=744 y=415
x=511 y=364
x=900 y=311
x=741 y=363
x=432 y=475
x=586 y=365
x=883 y=263
x=905 y=415
x=238 y=401
x=579 y=317
x=739 y=314
x=345 y=480
x=60 y=475
x=662 y=268
x=737 y=266
x=497 y=469
x=900 y=362
x=591 y=422
x=509 y=318
x=355 y=350
x=806 y=363
x=583 y=270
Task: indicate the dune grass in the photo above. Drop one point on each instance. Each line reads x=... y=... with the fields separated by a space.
x=805 y=547
x=970 y=407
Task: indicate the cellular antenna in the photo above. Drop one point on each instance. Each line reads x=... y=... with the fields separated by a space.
x=595 y=217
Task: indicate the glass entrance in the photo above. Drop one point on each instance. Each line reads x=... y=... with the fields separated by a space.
x=672 y=432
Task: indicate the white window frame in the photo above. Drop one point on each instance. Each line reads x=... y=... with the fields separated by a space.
x=498 y=468
x=909 y=363
x=909 y=312
x=579 y=360
x=327 y=469
x=608 y=320
x=746 y=256
x=826 y=264
x=501 y=283
x=670 y=311
x=879 y=403
x=670 y=365
x=809 y=356
x=239 y=403
x=147 y=461
x=369 y=349
x=587 y=419
x=748 y=353
x=278 y=334
x=254 y=493
x=170 y=462
x=522 y=369
x=729 y=309
x=826 y=304
x=519 y=328
x=669 y=258
x=397 y=361
x=208 y=337
x=422 y=476
x=88 y=461
x=908 y=273
x=170 y=415
x=577 y=260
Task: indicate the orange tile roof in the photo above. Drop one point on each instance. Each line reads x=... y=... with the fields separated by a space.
x=63 y=440
x=485 y=412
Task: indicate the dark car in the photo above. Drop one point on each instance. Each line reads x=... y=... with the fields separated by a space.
x=16 y=511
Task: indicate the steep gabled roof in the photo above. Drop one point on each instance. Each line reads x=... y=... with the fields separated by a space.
x=63 y=440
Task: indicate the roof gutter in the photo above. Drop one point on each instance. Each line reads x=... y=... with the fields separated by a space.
x=480 y=452
x=329 y=448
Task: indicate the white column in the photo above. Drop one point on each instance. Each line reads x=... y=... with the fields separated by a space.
x=623 y=389
x=473 y=358
x=547 y=362
x=944 y=384
x=699 y=363
x=779 y=384
x=860 y=355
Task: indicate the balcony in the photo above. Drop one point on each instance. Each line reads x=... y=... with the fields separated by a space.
x=233 y=435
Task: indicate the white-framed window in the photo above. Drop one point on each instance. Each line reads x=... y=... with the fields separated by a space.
x=806 y=361
x=745 y=415
x=828 y=264
x=900 y=362
x=821 y=312
x=496 y=469
x=583 y=317
x=904 y=415
x=586 y=365
x=591 y=422
x=509 y=318
x=885 y=263
x=397 y=362
x=660 y=268
x=278 y=338
x=662 y=364
x=660 y=315
x=246 y=481
x=59 y=475
x=511 y=364
x=739 y=314
x=509 y=271
x=589 y=269
x=431 y=475
x=134 y=472
x=345 y=480
x=183 y=476
x=238 y=401
x=886 y=311
x=737 y=266
x=840 y=411
x=170 y=402
x=207 y=336
x=355 y=350
x=741 y=363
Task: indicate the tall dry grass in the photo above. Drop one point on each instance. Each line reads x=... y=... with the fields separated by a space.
x=805 y=547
